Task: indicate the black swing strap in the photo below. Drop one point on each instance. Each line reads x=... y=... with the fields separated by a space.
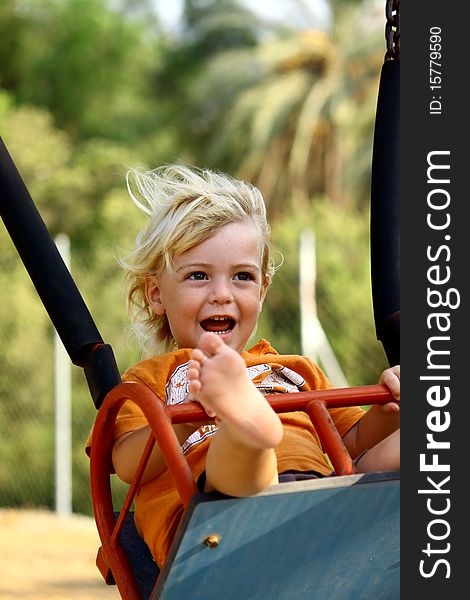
x=53 y=281
x=385 y=196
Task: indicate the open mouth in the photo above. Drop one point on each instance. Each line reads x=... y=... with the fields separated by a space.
x=219 y=325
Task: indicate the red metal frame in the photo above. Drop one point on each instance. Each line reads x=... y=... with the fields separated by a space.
x=111 y=559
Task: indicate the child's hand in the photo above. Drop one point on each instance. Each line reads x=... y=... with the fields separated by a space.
x=391 y=378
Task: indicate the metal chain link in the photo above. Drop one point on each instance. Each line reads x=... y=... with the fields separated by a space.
x=392 y=29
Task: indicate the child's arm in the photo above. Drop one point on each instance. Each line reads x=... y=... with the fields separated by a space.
x=128 y=449
x=379 y=421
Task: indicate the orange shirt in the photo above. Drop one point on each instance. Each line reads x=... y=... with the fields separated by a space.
x=158 y=509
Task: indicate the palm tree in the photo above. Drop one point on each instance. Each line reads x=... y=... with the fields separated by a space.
x=293 y=113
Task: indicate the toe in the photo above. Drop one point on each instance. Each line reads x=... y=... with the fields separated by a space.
x=197 y=356
x=194 y=387
x=210 y=343
x=193 y=371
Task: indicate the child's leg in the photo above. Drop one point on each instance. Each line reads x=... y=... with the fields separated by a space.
x=384 y=456
x=241 y=460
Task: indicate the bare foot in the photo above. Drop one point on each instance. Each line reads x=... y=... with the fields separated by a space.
x=218 y=379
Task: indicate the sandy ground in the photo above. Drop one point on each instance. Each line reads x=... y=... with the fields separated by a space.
x=43 y=556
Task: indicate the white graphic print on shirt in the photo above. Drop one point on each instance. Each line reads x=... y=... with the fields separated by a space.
x=266 y=379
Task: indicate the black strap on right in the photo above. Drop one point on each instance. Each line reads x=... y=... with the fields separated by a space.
x=385 y=213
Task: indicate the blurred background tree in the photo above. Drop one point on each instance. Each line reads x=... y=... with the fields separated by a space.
x=90 y=87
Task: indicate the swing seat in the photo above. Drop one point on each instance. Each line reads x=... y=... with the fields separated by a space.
x=327 y=539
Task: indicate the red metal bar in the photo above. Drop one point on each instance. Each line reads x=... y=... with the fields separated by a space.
x=330 y=438
x=126 y=507
x=170 y=448
x=332 y=398
x=111 y=559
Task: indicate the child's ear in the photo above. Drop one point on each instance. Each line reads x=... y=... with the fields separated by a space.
x=154 y=297
x=263 y=291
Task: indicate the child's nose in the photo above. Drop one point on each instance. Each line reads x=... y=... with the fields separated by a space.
x=221 y=292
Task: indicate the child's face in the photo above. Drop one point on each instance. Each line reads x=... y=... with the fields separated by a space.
x=216 y=286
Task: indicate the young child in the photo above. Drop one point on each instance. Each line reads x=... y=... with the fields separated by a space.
x=197 y=281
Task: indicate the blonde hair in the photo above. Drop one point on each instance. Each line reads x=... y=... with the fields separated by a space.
x=186 y=206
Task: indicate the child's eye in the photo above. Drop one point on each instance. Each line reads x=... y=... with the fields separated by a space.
x=197 y=276
x=244 y=276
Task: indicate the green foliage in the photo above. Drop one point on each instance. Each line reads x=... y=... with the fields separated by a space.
x=88 y=64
